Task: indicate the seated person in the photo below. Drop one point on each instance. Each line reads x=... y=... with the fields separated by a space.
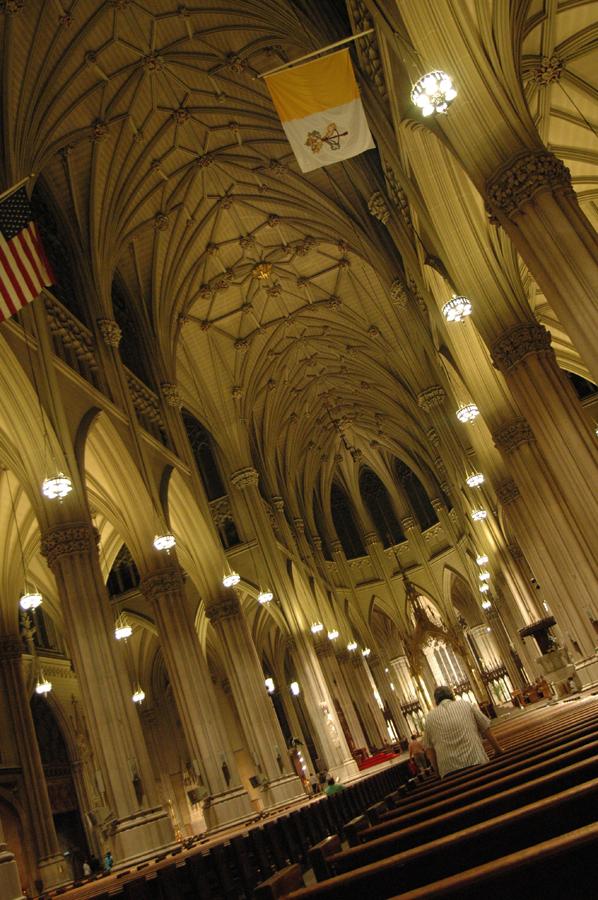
x=333 y=787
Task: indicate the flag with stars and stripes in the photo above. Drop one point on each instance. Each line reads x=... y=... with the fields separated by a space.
x=24 y=269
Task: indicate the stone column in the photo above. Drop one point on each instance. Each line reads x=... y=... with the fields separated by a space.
x=50 y=861
x=211 y=755
x=389 y=695
x=360 y=689
x=326 y=730
x=138 y=825
x=10 y=883
x=265 y=741
x=532 y=197
x=338 y=689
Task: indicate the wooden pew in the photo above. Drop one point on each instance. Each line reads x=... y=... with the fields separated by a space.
x=463 y=817
x=545 y=871
x=450 y=854
x=280 y=884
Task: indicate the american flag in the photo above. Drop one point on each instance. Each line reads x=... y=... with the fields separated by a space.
x=24 y=269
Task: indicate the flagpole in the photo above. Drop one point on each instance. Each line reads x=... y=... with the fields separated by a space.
x=328 y=47
x=15 y=187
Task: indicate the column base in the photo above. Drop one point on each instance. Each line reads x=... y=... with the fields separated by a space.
x=230 y=808
x=10 y=883
x=281 y=791
x=345 y=771
x=139 y=836
x=54 y=871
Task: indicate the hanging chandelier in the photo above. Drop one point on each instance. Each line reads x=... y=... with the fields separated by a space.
x=484 y=588
x=456 y=309
x=317 y=627
x=138 y=696
x=43 y=686
x=333 y=634
x=270 y=687
x=265 y=597
x=122 y=629
x=478 y=514
x=366 y=651
x=231 y=579
x=295 y=689
x=433 y=93
x=482 y=559
x=164 y=542
x=467 y=412
x=30 y=600
x=484 y=576
x=474 y=480
x=486 y=604
x=351 y=646
x=56 y=487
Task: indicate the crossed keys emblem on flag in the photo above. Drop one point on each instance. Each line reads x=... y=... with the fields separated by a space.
x=332 y=136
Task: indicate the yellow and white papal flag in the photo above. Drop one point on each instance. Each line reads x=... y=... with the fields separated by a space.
x=321 y=110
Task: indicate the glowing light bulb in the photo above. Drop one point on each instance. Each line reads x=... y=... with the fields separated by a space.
x=351 y=646
x=333 y=634
x=484 y=576
x=478 y=514
x=56 y=487
x=484 y=588
x=269 y=682
x=265 y=596
x=482 y=559
x=317 y=627
x=138 y=696
x=366 y=651
x=486 y=604
x=433 y=93
x=456 y=309
x=295 y=689
x=164 y=542
x=467 y=412
x=475 y=480
x=43 y=686
x=231 y=579
x=122 y=632
x=30 y=600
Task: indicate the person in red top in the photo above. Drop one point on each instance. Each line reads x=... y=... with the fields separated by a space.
x=417 y=753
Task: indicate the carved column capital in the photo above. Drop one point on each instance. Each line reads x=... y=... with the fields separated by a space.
x=522 y=178
x=336 y=547
x=438 y=505
x=165 y=582
x=433 y=437
x=10 y=647
x=299 y=525
x=515 y=550
x=399 y=294
x=371 y=538
x=111 y=332
x=517 y=343
x=171 y=395
x=244 y=478
x=226 y=608
x=512 y=434
x=431 y=397
x=407 y=522
x=317 y=542
x=378 y=207
x=507 y=492
x=68 y=540
x=278 y=503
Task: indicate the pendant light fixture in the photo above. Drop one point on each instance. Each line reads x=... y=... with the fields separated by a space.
x=433 y=93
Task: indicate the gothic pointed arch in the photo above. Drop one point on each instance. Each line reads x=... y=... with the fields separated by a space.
x=343 y=516
x=379 y=505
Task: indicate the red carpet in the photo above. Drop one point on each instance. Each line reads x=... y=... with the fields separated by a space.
x=378 y=758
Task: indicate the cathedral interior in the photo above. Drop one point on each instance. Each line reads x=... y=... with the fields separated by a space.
x=281 y=451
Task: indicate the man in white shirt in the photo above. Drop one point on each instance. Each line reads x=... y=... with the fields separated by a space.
x=453 y=734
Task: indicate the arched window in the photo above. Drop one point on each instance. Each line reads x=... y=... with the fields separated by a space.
x=124 y=574
x=375 y=497
x=56 y=246
x=343 y=516
x=319 y=516
x=419 y=501
x=582 y=387
x=132 y=348
x=203 y=452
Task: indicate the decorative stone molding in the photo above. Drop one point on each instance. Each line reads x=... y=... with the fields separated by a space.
x=299 y=525
x=336 y=547
x=548 y=70
x=371 y=538
x=512 y=434
x=433 y=437
x=517 y=343
x=515 y=550
x=244 y=478
x=432 y=397
x=171 y=395
x=111 y=332
x=437 y=505
x=68 y=540
x=407 y=522
x=278 y=503
x=378 y=207
x=11 y=7
x=399 y=294
x=507 y=492
x=10 y=647
x=223 y=609
x=169 y=581
x=523 y=177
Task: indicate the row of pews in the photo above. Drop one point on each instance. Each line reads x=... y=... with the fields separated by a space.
x=232 y=868
x=524 y=825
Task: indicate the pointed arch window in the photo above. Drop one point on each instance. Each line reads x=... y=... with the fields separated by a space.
x=419 y=501
x=378 y=502
x=343 y=516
